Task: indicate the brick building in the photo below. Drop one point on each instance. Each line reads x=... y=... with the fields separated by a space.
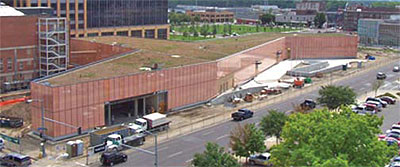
x=35 y=46
x=212 y=16
x=138 y=18
x=18 y=51
x=304 y=14
x=353 y=13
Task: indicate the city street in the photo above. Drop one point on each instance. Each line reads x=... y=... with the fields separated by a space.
x=180 y=151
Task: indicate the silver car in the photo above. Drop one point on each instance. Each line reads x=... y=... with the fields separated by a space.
x=260 y=159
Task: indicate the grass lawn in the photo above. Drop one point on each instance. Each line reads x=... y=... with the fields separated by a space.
x=190 y=38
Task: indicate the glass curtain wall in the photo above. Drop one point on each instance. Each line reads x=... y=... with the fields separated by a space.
x=117 y=13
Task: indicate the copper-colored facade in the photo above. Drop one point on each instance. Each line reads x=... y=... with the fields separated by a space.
x=83 y=104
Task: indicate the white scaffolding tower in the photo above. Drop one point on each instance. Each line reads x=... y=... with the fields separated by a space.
x=53 y=45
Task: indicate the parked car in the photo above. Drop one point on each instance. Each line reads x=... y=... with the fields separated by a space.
x=395 y=164
x=393 y=135
x=395 y=126
x=395 y=131
x=376 y=104
x=384 y=103
x=388 y=99
x=396 y=159
x=14 y=159
x=396 y=69
x=1 y=144
x=12 y=122
x=308 y=104
x=113 y=157
x=242 y=114
x=366 y=109
x=260 y=159
x=380 y=75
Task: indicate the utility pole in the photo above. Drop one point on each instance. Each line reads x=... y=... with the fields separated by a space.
x=155 y=150
x=42 y=127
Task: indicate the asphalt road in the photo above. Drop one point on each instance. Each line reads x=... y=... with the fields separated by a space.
x=180 y=151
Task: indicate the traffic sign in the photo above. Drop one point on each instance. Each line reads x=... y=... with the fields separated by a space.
x=10 y=139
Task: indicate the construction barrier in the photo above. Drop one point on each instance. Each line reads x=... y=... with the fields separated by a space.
x=22 y=99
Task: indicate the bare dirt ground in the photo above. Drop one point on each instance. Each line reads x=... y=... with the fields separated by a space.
x=20 y=110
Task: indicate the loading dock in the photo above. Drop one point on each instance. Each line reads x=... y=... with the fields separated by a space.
x=129 y=109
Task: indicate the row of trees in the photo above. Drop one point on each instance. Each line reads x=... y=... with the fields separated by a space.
x=205 y=30
x=244 y=141
x=321 y=138
x=179 y=18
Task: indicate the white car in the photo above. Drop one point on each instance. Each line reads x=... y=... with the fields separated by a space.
x=395 y=126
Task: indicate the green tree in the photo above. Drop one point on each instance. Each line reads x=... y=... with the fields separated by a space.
x=196 y=34
x=214 y=30
x=273 y=123
x=319 y=20
x=185 y=34
x=326 y=138
x=335 y=96
x=230 y=29
x=246 y=140
x=204 y=30
x=214 y=155
x=196 y=19
x=267 y=18
x=225 y=29
x=376 y=85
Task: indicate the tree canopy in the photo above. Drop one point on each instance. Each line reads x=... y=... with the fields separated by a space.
x=214 y=155
x=319 y=20
x=325 y=138
x=267 y=18
x=273 y=123
x=247 y=140
x=334 y=96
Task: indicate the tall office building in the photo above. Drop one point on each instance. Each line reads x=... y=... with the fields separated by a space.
x=138 y=18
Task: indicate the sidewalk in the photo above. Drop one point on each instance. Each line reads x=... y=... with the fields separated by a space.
x=186 y=122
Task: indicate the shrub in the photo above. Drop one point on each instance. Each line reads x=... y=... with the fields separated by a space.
x=389 y=94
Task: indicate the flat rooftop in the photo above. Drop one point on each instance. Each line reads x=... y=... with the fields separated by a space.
x=163 y=52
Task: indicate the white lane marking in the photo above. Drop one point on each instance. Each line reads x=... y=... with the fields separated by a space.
x=80 y=164
x=189 y=160
x=226 y=135
x=208 y=133
x=173 y=155
x=160 y=149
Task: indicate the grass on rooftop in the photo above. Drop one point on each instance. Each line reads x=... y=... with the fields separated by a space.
x=160 y=51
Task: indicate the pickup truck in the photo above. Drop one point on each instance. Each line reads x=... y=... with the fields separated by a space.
x=242 y=114
x=11 y=122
